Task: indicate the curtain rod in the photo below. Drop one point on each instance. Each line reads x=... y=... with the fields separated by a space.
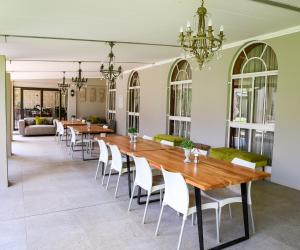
x=87 y=40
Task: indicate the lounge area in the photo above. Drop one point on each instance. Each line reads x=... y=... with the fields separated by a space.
x=166 y=136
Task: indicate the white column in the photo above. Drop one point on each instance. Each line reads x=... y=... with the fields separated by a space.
x=9 y=110
x=3 y=125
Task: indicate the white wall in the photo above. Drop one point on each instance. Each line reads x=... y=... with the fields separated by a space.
x=92 y=107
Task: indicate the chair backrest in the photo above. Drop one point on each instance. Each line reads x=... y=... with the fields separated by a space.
x=246 y=164
x=146 y=137
x=73 y=135
x=103 y=157
x=169 y=143
x=143 y=177
x=176 y=192
x=116 y=162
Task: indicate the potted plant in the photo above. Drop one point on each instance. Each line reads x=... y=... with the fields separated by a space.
x=88 y=123
x=187 y=145
x=132 y=134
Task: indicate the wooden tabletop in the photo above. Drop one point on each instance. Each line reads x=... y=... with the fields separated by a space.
x=93 y=129
x=72 y=123
x=124 y=145
x=207 y=174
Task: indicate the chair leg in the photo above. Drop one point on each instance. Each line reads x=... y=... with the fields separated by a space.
x=146 y=207
x=117 y=185
x=252 y=219
x=104 y=173
x=160 y=196
x=159 y=219
x=217 y=226
x=220 y=213
x=181 y=232
x=230 y=212
x=98 y=166
x=132 y=194
x=108 y=179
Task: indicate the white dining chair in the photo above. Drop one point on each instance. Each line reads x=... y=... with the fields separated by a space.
x=232 y=194
x=75 y=141
x=103 y=159
x=168 y=143
x=117 y=165
x=178 y=197
x=145 y=180
x=146 y=137
x=61 y=131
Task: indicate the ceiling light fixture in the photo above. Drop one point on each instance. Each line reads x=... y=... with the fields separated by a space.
x=202 y=44
x=110 y=74
x=63 y=87
x=78 y=80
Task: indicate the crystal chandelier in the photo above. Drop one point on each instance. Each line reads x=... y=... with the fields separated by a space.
x=201 y=43
x=110 y=73
x=78 y=80
x=63 y=87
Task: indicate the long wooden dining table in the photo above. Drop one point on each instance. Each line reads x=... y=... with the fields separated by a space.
x=207 y=174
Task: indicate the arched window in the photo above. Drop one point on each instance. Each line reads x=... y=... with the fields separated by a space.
x=111 y=100
x=133 y=101
x=180 y=98
x=253 y=95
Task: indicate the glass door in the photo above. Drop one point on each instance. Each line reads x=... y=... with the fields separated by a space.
x=31 y=103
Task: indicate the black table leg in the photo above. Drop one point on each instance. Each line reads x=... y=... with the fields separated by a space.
x=245 y=218
x=128 y=172
x=199 y=217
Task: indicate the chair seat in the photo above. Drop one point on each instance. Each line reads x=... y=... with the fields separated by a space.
x=222 y=193
x=206 y=203
x=158 y=183
x=224 y=196
x=158 y=180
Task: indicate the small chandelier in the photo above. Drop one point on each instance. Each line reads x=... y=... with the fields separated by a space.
x=110 y=73
x=78 y=80
x=63 y=87
x=202 y=43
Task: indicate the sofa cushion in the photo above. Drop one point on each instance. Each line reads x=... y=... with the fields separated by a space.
x=40 y=130
x=228 y=154
x=177 y=140
x=29 y=121
x=47 y=121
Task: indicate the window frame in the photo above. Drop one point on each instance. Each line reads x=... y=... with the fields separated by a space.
x=136 y=91
x=110 y=101
x=184 y=120
x=251 y=126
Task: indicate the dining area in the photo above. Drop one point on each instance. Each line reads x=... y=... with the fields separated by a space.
x=161 y=174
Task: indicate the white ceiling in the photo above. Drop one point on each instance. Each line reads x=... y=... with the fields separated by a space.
x=155 y=21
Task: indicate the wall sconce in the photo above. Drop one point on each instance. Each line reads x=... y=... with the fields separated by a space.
x=72 y=92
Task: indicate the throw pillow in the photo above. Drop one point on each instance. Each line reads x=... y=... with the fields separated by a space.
x=38 y=120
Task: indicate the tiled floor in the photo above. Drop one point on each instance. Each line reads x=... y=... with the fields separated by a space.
x=55 y=203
